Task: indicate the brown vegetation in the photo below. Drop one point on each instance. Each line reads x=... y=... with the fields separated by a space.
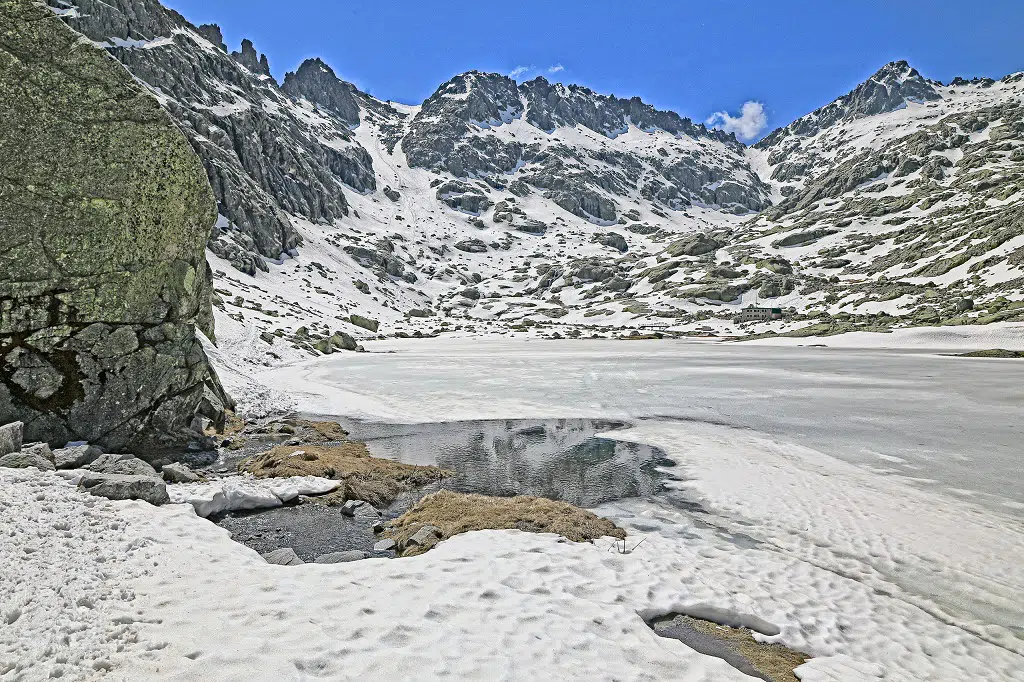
x=377 y=481
x=774 y=662
x=453 y=513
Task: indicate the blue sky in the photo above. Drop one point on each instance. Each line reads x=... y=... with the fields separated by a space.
x=696 y=58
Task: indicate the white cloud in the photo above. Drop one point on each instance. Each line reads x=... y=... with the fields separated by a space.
x=556 y=68
x=519 y=71
x=749 y=124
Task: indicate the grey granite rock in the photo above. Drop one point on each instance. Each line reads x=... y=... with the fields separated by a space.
x=11 y=437
x=285 y=556
x=76 y=457
x=384 y=545
x=125 y=465
x=425 y=535
x=103 y=273
x=23 y=460
x=341 y=557
x=125 y=487
x=178 y=473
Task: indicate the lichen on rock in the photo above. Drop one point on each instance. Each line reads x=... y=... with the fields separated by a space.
x=104 y=213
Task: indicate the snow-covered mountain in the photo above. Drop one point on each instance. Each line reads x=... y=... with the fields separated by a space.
x=545 y=208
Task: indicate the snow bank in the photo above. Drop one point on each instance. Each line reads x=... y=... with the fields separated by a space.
x=159 y=593
x=1008 y=335
x=243 y=492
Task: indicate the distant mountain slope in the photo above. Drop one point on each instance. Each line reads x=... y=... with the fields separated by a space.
x=539 y=207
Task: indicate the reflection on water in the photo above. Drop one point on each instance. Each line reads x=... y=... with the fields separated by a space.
x=561 y=459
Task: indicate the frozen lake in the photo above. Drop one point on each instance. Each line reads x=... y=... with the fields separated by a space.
x=872 y=497
x=952 y=424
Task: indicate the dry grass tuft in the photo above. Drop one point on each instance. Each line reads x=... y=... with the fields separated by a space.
x=774 y=661
x=377 y=481
x=455 y=513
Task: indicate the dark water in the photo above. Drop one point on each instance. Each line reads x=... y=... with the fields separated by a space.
x=560 y=459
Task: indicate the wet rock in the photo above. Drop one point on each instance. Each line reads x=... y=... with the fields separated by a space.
x=178 y=473
x=11 y=438
x=76 y=457
x=285 y=556
x=125 y=487
x=360 y=509
x=341 y=557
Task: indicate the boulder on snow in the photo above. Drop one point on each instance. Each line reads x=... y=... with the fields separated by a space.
x=341 y=557
x=178 y=473
x=76 y=457
x=124 y=465
x=40 y=449
x=364 y=322
x=285 y=556
x=10 y=438
x=24 y=460
x=125 y=487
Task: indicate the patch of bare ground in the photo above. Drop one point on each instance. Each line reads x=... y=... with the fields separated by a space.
x=736 y=646
x=372 y=479
x=449 y=513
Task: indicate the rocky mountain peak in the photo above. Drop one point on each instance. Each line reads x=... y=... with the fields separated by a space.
x=551 y=105
x=250 y=59
x=315 y=81
x=212 y=33
x=476 y=96
x=888 y=89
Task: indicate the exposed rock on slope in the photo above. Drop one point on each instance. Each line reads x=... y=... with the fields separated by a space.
x=104 y=211
x=694 y=164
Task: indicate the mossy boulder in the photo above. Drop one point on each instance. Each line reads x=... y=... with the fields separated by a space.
x=104 y=213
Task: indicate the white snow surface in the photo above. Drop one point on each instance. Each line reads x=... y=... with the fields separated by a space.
x=873 y=574
x=239 y=493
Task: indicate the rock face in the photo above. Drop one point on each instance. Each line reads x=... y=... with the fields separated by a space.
x=104 y=210
x=265 y=156
x=444 y=136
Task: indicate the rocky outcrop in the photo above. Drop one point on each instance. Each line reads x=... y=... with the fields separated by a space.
x=316 y=81
x=264 y=155
x=449 y=134
x=104 y=211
